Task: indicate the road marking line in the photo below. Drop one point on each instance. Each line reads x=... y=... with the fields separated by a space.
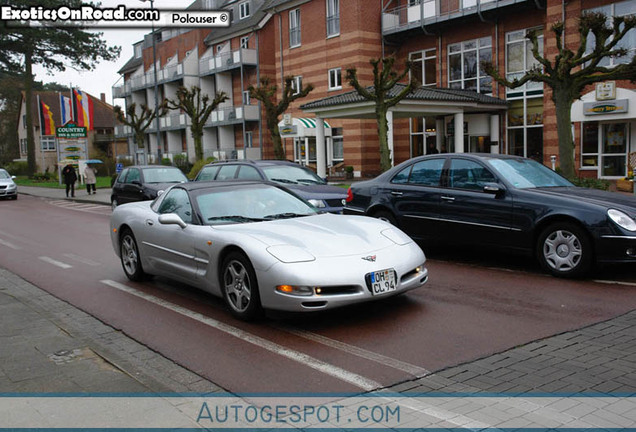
x=611 y=282
x=81 y=259
x=9 y=245
x=357 y=351
x=304 y=359
x=55 y=263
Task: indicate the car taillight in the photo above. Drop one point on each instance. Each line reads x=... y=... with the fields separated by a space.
x=349 y=195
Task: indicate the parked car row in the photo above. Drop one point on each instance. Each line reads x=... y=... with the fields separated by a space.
x=259 y=233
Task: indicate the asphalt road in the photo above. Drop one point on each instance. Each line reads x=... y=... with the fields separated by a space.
x=470 y=308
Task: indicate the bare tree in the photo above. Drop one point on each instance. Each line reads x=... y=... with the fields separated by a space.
x=572 y=71
x=198 y=107
x=266 y=93
x=138 y=122
x=384 y=80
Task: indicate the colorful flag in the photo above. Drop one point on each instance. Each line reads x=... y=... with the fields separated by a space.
x=47 y=124
x=83 y=109
x=66 y=109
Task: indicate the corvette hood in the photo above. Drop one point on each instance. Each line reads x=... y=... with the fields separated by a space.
x=320 y=235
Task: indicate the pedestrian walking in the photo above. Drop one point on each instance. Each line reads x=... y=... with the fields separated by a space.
x=70 y=177
x=90 y=179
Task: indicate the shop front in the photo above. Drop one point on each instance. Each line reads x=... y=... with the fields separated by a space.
x=606 y=122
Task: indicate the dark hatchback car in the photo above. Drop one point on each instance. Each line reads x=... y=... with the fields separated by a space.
x=143 y=182
x=503 y=201
x=303 y=181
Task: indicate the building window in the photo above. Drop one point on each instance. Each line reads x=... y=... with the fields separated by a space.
x=333 y=18
x=246 y=97
x=23 y=146
x=219 y=48
x=245 y=41
x=604 y=148
x=525 y=128
x=337 y=152
x=464 y=65
x=294 y=28
x=244 y=10
x=335 y=79
x=628 y=42
x=424 y=67
x=297 y=85
x=47 y=143
x=248 y=139
x=24 y=122
x=138 y=49
x=519 y=58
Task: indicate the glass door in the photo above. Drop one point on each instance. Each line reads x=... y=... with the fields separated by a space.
x=614 y=137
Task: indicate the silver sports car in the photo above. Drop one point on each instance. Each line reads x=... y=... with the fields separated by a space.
x=260 y=246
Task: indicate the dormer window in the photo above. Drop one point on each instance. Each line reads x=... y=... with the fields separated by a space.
x=138 y=51
x=244 y=10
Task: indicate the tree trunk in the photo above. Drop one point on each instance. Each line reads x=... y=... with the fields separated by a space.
x=383 y=132
x=563 y=104
x=28 y=90
x=197 y=135
x=272 y=125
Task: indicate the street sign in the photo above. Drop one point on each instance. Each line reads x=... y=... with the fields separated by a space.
x=119 y=167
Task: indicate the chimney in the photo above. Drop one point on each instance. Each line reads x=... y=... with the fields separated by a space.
x=102 y=96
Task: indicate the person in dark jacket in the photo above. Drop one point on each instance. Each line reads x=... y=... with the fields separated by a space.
x=70 y=177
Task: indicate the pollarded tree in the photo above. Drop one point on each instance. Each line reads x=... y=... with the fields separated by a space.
x=380 y=93
x=198 y=107
x=266 y=93
x=52 y=47
x=139 y=122
x=570 y=72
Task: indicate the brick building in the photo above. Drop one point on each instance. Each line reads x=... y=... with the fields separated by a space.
x=315 y=41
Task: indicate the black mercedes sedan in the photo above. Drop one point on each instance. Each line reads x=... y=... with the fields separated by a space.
x=143 y=183
x=504 y=201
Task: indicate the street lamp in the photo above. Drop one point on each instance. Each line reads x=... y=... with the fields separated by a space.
x=154 y=66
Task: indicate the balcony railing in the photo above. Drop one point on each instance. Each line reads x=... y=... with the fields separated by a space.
x=431 y=11
x=233 y=115
x=121 y=91
x=122 y=131
x=224 y=61
x=174 y=121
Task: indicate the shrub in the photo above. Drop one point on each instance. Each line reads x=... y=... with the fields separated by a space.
x=593 y=183
x=17 y=168
x=166 y=161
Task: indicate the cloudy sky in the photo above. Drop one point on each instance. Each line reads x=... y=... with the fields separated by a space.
x=105 y=74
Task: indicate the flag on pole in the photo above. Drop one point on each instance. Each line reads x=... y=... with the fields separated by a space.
x=66 y=110
x=82 y=109
x=47 y=125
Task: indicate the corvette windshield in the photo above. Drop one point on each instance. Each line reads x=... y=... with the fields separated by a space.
x=255 y=203
x=526 y=173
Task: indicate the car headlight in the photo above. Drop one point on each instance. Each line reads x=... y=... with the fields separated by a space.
x=317 y=203
x=297 y=290
x=622 y=220
x=12 y=186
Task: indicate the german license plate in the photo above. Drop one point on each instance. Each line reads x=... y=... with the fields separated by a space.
x=382 y=281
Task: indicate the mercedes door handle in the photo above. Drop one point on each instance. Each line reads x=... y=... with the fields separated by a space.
x=149 y=222
x=395 y=193
x=448 y=198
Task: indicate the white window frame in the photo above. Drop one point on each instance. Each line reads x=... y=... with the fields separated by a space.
x=335 y=78
x=480 y=45
x=248 y=139
x=611 y=62
x=246 y=97
x=245 y=41
x=333 y=18
x=297 y=84
x=517 y=38
x=424 y=56
x=47 y=143
x=244 y=10
x=294 y=28
x=138 y=50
